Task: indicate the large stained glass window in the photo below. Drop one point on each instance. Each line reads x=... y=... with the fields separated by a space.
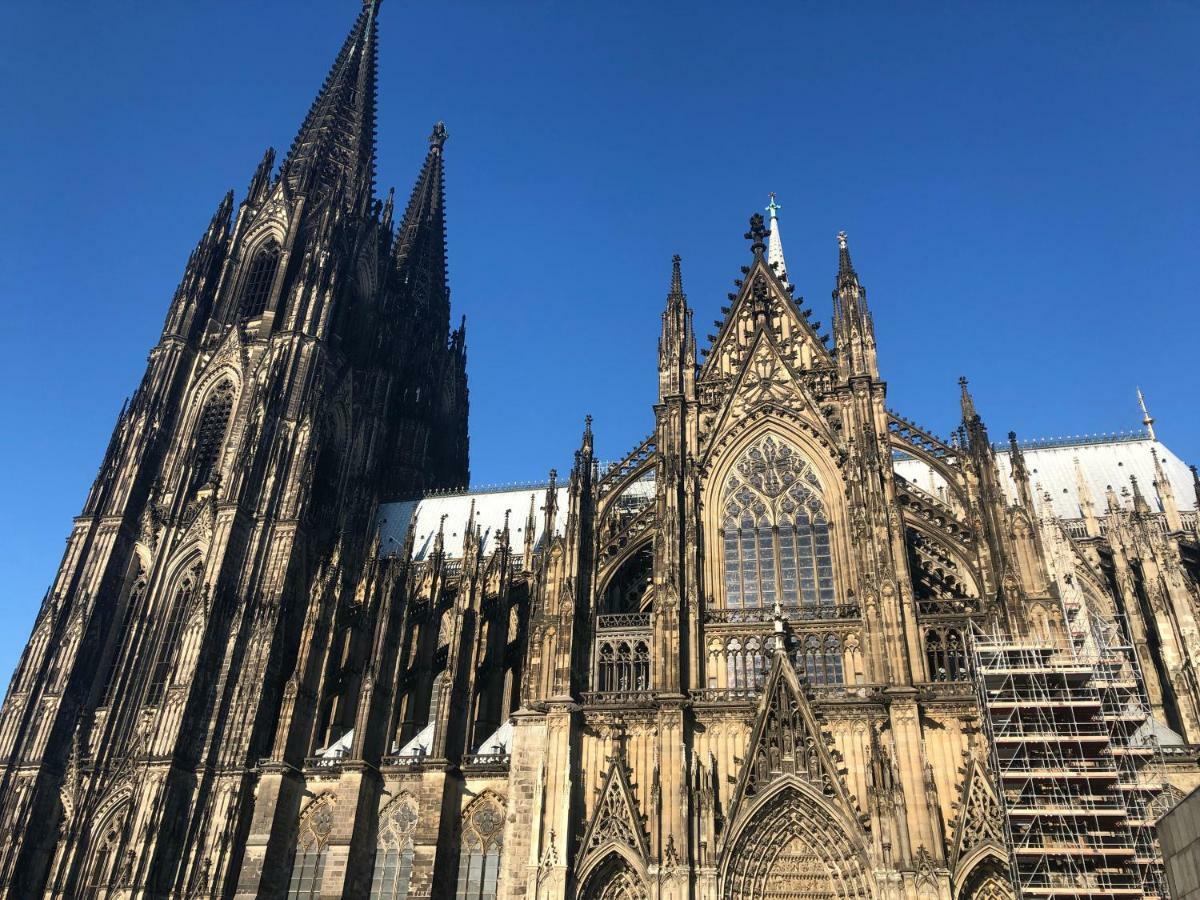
x=775 y=531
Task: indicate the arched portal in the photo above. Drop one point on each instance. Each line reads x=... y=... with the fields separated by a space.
x=793 y=847
x=614 y=879
x=988 y=880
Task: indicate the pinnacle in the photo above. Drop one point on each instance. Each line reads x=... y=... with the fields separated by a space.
x=676 y=277
x=757 y=234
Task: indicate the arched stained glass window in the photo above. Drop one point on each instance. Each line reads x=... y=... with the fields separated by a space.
x=482 y=840
x=775 y=531
x=168 y=647
x=308 y=866
x=394 y=856
x=256 y=289
x=210 y=433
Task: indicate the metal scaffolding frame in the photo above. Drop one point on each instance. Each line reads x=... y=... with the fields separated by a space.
x=1067 y=728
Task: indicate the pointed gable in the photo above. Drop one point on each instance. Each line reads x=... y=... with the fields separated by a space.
x=979 y=820
x=787 y=742
x=763 y=299
x=616 y=819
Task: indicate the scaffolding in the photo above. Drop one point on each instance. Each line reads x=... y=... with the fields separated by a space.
x=1068 y=731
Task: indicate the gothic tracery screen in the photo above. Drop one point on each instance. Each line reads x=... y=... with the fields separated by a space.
x=775 y=531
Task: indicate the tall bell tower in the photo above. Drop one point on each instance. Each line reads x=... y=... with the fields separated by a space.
x=306 y=370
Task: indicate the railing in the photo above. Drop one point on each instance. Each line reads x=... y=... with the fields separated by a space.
x=622 y=620
x=406 y=761
x=617 y=698
x=790 y=614
x=487 y=760
x=952 y=606
x=333 y=763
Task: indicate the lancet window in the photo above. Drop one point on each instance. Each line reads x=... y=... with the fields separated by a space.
x=118 y=644
x=308 y=866
x=394 y=856
x=210 y=432
x=256 y=289
x=945 y=655
x=482 y=842
x=103 y=864
x=775 y=532
x=164 y=660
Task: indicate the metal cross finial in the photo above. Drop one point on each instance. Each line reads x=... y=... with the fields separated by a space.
x=773 y=207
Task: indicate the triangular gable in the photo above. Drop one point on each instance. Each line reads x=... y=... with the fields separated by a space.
x=762 y=287
x=979 y=819
x=766 y=379
x=787 y=742
x=616 y=819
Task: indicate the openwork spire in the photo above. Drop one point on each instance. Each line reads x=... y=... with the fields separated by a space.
x=775 y=243
x=676 y=278
x=336 y=143
x=420 y=250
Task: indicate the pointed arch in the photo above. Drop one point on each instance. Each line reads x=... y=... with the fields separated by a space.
x=796 y=525
x=987 y=879
x=394 y=850
x=259 y=278
x=211 y=429
x=482 y=828
x=312 y=848
x=615 y=877
x=107 y=839
x=615 y=827
x=184 y=587
x=794 y=843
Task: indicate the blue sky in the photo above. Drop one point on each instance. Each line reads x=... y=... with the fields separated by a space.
x=1018 y=180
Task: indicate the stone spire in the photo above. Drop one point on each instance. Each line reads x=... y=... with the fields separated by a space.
x=419 y=253
x=677 y=343
x=775 y=242
x=1147 y=419
x=335 y=147
x=853 y=325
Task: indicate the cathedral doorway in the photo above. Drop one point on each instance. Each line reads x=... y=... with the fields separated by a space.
x=614 y=879
x=793 y=848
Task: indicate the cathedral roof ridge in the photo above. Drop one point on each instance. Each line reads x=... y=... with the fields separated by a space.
x=1076 y=440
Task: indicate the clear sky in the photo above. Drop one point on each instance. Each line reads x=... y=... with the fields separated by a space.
x=1018 y=180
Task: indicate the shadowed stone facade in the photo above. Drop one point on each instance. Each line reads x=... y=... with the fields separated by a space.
x=288 y=654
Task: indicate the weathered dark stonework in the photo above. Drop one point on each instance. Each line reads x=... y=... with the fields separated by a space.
x=288 y=653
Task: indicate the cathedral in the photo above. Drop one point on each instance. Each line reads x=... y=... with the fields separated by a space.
x=791 y=645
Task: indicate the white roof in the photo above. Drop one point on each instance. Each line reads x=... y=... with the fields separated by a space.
x=1104 y=462
x=424 y=517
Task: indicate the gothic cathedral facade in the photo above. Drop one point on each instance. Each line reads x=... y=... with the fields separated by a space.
x=792 y=645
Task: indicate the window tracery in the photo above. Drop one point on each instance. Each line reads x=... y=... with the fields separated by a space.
x=168 y=647
x=945 y=655
x=482 y=842
x=102 y=867
x=256 y=289
x=623 y=665
x=394 y=854
x=308 y=866
x=775 y=531
x=210 y=432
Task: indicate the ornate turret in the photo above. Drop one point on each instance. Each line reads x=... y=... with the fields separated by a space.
x=677 y=344
x=853 y=327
